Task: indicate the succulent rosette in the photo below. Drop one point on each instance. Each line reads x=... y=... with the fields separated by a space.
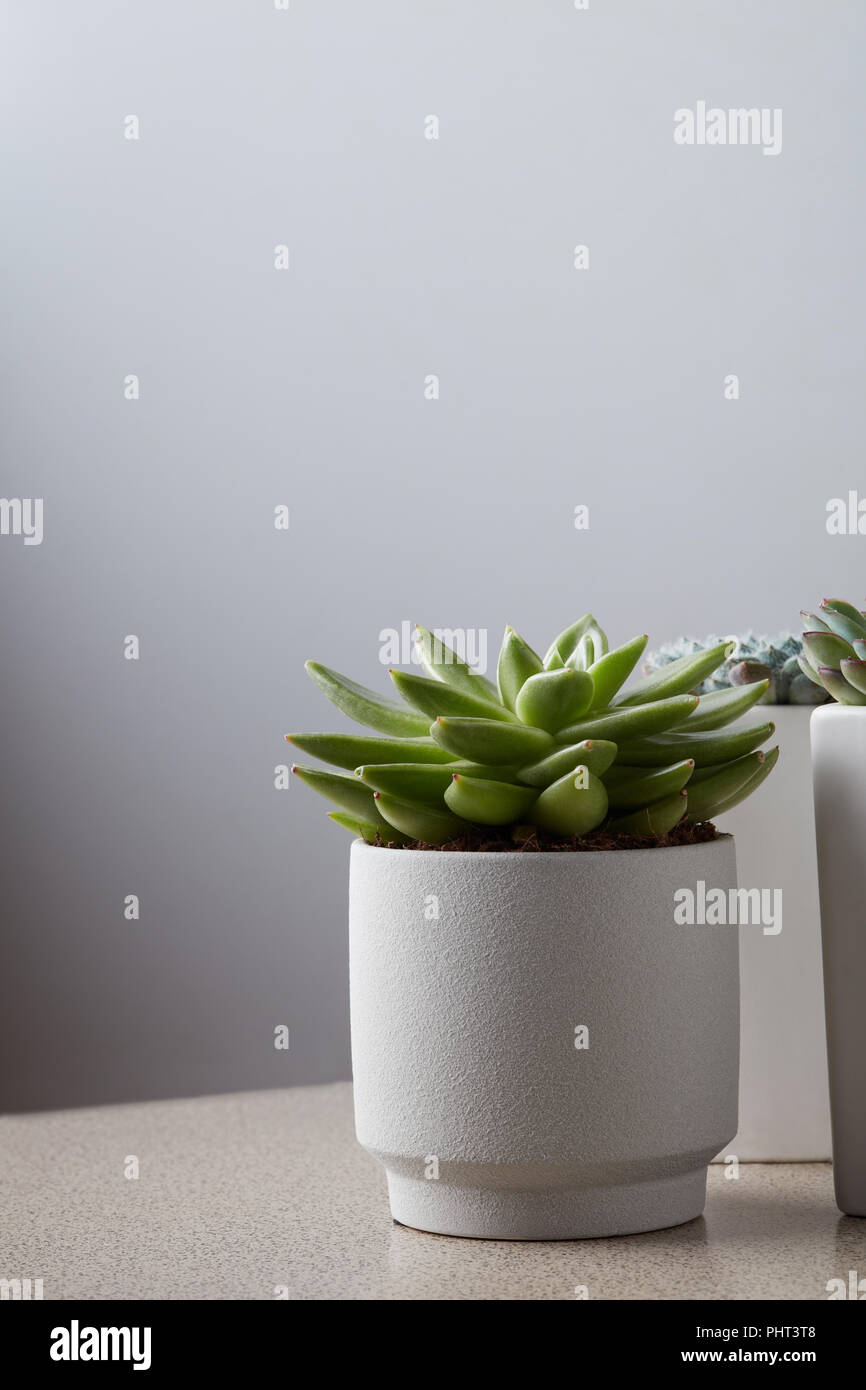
x=558 y=742
x=834 y=650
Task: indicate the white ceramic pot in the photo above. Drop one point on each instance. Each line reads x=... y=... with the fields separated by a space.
x=839 y=776
x=784 y=1106
x=472 y=978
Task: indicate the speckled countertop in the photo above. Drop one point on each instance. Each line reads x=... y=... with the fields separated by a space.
x=241 y=1196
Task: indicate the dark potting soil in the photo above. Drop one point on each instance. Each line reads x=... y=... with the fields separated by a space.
x=528 y=839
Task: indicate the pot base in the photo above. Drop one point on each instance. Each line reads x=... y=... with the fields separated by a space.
x=552 y=1214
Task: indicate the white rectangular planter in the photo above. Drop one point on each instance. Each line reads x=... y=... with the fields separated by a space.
x=473 y=978
x=839 y=769
x=784 y=1104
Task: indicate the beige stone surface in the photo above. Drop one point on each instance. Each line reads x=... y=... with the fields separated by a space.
x=241 y=1195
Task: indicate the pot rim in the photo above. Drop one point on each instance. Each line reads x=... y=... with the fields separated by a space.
x=509 y=856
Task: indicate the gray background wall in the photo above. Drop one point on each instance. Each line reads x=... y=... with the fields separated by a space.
x=305 y=387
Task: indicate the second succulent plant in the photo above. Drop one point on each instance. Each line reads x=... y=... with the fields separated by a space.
x=834 y=650
x=556 y=743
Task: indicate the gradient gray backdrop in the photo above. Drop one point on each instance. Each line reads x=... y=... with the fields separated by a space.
x=305 y=387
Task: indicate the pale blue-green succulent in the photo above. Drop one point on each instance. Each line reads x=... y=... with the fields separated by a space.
x=834 y=650
x=556 y=743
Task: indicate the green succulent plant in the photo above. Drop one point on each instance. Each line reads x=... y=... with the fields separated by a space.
x=834 y=650
x=556 y=743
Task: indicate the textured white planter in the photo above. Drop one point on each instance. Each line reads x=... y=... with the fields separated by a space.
x=468 y=1085
x=784 y=1106
x=839 y=773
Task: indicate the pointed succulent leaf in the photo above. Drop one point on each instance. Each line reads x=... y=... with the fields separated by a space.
x=677 y=677
x=812 y=623
x=350 y=750
x=373 y=832
x=591 y=647
x=554 y=698
x=726 y=781
x=594 y=754
x=435 y=697
x=809 y=671
x=562 y=646
x=517 y=662
x=573 y=805
x=841 y=623
x=434 y=825
x=826 y=649
x=342 y=788
x=658 y=819
x=624 y=722
x=705 y=748
x=629 y=789
x=488 y=803
x=489 y=740
x=722 y=707
x=859 y=645
x=442 y=663
x=612 y=670
x=365 y=706
x=838 y=686
x=428 y=784
x=854 y=671
x=763 y=772
x=845 y=610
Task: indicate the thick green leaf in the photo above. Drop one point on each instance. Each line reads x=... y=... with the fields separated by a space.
x=854 y=672
x=841 y=622
x=365 y=706
x=573 y=805
x=420 y=822
x=517 y=662
x=428 y=784
x=678 y=677
x=596 y=755
x=841 y=609
x=490 y=741
x=626 y=723
x=488 y=803
x=435 y=698
x=809 y=670
x=351 y=750
x=562 y=646
x=628 y=789
x=552 y=699
x=812 y=623
x=611 y=672
x=826 y=649
x=658 y=819
x=590 y=648
x=729 y=779
x=343 y=788
x=722 y=707
x=763 y=772
x=372 y=832
x=705 y=749
x=835 y=682
x=442 y=663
